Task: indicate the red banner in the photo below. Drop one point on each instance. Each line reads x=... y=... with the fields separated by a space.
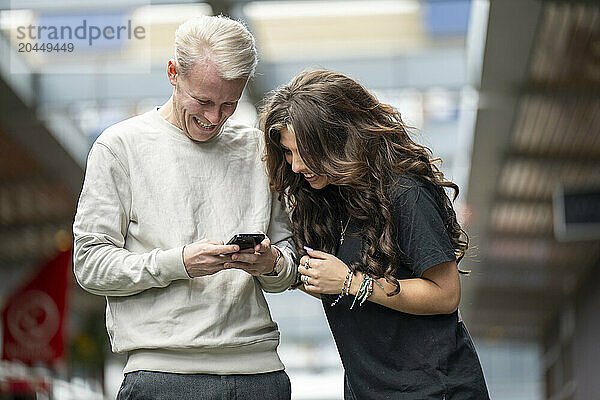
x=33 y=318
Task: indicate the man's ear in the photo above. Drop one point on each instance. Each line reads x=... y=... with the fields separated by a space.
x=172 y=72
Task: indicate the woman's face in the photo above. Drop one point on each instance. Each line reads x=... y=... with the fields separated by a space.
x=292 y=156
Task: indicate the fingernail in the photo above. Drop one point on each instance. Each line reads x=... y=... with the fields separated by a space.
x=308 y=248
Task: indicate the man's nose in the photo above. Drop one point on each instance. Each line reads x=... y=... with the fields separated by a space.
x=213 y=115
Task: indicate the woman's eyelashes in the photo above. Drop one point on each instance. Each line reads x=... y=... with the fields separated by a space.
x=285 y=150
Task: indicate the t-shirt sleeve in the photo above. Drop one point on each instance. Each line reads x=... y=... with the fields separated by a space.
x=420 y=228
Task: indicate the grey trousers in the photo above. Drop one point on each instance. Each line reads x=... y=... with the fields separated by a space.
x=149 y=385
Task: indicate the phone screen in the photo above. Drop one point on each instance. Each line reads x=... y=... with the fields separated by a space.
x=247 y=240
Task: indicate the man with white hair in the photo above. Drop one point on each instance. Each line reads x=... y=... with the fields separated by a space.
x=162 y=191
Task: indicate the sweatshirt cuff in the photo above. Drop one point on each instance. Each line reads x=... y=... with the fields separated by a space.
x=170 y=263
x=284 y=279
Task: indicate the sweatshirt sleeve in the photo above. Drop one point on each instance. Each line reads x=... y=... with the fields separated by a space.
x=101 y=264
x=281 y=236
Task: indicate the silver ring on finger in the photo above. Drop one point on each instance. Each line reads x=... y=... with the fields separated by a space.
x=306 y=264
x=305 y=279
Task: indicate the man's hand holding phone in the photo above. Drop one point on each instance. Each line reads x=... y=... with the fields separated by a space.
x=256 y=260
x=207 y=257
x=252 y=253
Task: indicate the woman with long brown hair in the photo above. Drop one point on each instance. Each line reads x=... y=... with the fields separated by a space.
x=386 y=241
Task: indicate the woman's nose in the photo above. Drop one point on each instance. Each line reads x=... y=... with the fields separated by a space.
x=297 y=164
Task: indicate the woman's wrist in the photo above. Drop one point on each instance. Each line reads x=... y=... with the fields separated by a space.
x=355 y=283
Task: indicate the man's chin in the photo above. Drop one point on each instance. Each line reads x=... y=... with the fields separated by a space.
x=202 y=135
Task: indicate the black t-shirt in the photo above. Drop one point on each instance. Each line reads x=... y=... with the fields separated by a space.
x=388 y=354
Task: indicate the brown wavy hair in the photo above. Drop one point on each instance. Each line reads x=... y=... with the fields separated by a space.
x=363 y=148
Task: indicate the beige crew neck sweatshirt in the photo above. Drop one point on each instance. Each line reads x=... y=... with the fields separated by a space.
x=148 y=191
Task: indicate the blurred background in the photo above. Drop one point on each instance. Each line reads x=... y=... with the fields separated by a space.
x=506 y=92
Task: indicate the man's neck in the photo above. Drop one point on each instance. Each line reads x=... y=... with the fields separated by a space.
x=167 y=111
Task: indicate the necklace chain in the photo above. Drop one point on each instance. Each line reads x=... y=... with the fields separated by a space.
x=343 y=230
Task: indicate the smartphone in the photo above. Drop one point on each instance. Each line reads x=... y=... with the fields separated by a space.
x=247 y=240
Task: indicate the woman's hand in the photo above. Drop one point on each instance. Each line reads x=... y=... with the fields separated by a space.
x=322 y=273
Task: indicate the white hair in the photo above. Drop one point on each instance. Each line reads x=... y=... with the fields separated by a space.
x=225 y=42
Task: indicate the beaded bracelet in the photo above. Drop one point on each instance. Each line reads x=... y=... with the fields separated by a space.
x=345 y=287
x=365 y=290
x=349 y=284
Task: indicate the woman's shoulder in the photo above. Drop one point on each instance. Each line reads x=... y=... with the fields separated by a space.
x=410 y=190
x=407 y=185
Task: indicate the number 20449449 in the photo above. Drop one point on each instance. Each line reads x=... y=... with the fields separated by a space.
x=46 y=47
